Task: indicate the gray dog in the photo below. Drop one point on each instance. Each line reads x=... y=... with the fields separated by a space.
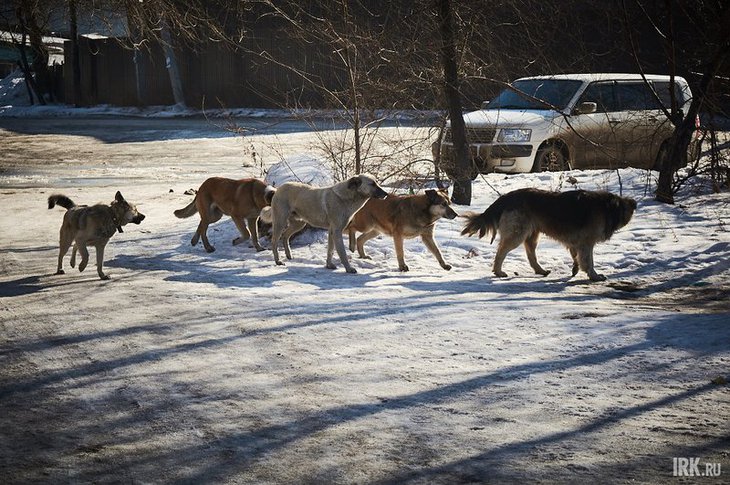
x=95 y=225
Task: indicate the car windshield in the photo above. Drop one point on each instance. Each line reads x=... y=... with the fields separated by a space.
x=528 y=94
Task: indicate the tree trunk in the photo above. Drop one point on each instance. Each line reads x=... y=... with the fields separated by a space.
x=138 y=58
x=75 y=54
x=27 y=73
x=461 y=193
x=675 y=157
x=39 y=64
x=172 y=67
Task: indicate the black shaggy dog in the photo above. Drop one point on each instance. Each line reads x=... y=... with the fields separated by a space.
x=578 y=219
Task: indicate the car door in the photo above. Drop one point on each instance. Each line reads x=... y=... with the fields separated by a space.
x=639 y=124
x=591 y=136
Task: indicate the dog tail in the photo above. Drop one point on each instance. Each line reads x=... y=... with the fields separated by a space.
x=62 y=200
x=269 y=192
x=187 y=211
x=485 y=223
x=266 y=216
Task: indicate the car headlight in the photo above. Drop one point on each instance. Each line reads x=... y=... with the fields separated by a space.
x=512 y=135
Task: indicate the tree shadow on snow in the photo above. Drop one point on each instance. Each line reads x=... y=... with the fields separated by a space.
x=236 y=451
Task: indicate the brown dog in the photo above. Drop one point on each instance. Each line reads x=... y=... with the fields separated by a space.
x=401 y=217
x=242 y=200
x=579 y=219
x=91 y=225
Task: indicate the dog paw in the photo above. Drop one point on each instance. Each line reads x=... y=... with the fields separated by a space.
x=597 y=277
x=82 y=267
x=500 y=274
x=365 y=256
x=544 y=272
x=104 y=277
x=330 y=266
x=279 y=263
x=447 y=267
x=210 y=249
x=60 y=271
x=260 y=248
x=351 y=270
x=404 y=268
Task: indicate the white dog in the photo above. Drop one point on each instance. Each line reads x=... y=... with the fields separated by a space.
x=295 y=204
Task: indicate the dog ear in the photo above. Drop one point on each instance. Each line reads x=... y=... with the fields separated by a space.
x=432 y=196
x=354 y=183
x=119 y=197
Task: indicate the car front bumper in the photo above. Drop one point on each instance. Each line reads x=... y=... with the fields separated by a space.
x=488 y=157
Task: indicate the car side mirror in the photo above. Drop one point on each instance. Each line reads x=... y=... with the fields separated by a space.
x=585 y=108
x=485 y=104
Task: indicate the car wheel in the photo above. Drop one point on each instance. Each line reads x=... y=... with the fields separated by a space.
x=550 y=159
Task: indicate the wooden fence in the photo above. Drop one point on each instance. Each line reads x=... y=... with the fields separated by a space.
x=212 y=75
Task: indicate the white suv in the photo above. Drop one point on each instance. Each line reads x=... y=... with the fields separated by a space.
x=570 y=121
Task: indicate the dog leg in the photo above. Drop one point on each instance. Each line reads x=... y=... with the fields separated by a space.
x=253 y=224
x=241 y=225
x=506 y=244
x=353 y=243
x=585 y=258
x=100 y=260
x=73 y=257
x=64 y=243
x=276 y=230
x=398 y=243
x=530 y=247
x=280 y=221
x=295 y=226
x=336 y=236
x=207 y=218
x=574 y=255
x=362 y=240
x=330 y=251
x=84 y=255
x=202 y=232
x=427 y=238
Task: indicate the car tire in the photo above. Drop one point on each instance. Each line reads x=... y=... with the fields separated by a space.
x=550 y=159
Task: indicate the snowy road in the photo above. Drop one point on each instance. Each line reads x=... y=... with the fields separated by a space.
x=223 y=367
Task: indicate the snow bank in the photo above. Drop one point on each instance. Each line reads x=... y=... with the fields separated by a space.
x=304 y=168
x=13 y=92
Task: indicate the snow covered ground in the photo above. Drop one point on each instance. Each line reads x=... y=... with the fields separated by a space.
x=223 y=367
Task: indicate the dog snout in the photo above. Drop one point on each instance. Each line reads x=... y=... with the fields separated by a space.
x=138 y=219
x=451 y=214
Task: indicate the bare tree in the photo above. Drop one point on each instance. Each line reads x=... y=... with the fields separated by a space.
x=29 y=22
x=351 y=61
x=75 y=53
x=703 y=45
x=461 y=193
